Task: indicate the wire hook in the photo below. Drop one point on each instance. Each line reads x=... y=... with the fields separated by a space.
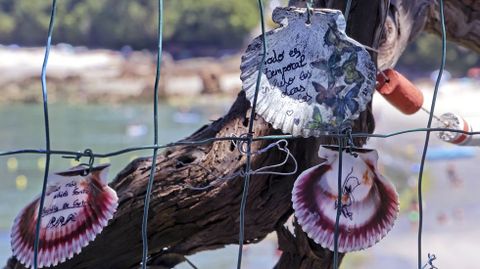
x=91 y=160
x=87 y=153
x=262 y=170
x=349 y=142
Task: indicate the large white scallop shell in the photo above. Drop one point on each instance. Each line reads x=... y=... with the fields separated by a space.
x=315 y=79
x=369 y=201
x=75 y=211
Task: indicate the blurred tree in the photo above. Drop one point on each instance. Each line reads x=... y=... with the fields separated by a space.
x=113 y=23
x=421 y=57
x=210 y=22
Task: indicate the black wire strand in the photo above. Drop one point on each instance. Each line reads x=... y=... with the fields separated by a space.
x=47 y=134
x=79 y=154
x=339 y=203
x=427 y=136
x=341 y=141
x=251 y=121
x=155 y=139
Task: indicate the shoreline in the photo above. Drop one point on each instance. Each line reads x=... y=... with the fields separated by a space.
x=78 y=75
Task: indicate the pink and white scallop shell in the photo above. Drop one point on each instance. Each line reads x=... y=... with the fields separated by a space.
x=369 y=201
x=76 y=210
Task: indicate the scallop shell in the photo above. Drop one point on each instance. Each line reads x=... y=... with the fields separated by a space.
x=315 y=79
x=76 y=209
x=369 y=201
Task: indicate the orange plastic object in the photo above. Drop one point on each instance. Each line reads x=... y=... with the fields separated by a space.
x=399 y=91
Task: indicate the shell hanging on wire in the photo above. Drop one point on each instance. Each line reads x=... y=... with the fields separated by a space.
x=76 y=210
x=369 y=201
x=315 y=79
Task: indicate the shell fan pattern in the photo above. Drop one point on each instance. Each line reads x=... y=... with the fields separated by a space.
x=369 y=201
x=76 y=209
x=315 y=79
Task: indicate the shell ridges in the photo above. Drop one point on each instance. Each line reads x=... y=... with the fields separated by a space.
x=76 y=210
x=369 y=201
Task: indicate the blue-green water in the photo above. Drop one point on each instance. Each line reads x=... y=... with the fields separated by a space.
x=102 y=128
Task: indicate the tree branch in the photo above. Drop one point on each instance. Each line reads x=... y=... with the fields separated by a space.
x=462 y=22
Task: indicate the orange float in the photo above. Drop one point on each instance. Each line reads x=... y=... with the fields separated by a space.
x=399 y=91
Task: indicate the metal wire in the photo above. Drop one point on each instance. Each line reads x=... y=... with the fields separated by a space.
x=427 y=135
x=347 y=11
x=339 y=204
x=251 y=121
x=155 y=138
x=80 y=154
x=47 y=134
x=265 y=170
x=339 y=181
x=247 y=140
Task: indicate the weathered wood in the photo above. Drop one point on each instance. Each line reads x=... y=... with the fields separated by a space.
x=300 y=251
x=404 y=22
x=462 y=19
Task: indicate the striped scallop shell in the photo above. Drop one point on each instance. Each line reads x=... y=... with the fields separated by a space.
x=76 y=209
x=369 y=201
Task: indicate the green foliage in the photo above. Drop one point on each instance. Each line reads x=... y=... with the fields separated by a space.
x=424 y=55
x=211 y=22
x=114 y=23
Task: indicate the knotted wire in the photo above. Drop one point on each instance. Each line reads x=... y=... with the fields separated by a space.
x=264 y=170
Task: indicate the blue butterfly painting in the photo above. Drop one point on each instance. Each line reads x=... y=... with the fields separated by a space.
x=347 y=101
x=331 y=68
x=337 y=100
x=334 y=70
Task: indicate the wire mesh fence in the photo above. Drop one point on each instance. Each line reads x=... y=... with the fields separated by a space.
x=243 y=142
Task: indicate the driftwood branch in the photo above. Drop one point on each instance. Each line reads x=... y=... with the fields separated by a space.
x=404 y=22
x=408 y=18
x=462 y=22
x=183 y=221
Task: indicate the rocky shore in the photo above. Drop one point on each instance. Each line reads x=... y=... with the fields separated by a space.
x=80 y=75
